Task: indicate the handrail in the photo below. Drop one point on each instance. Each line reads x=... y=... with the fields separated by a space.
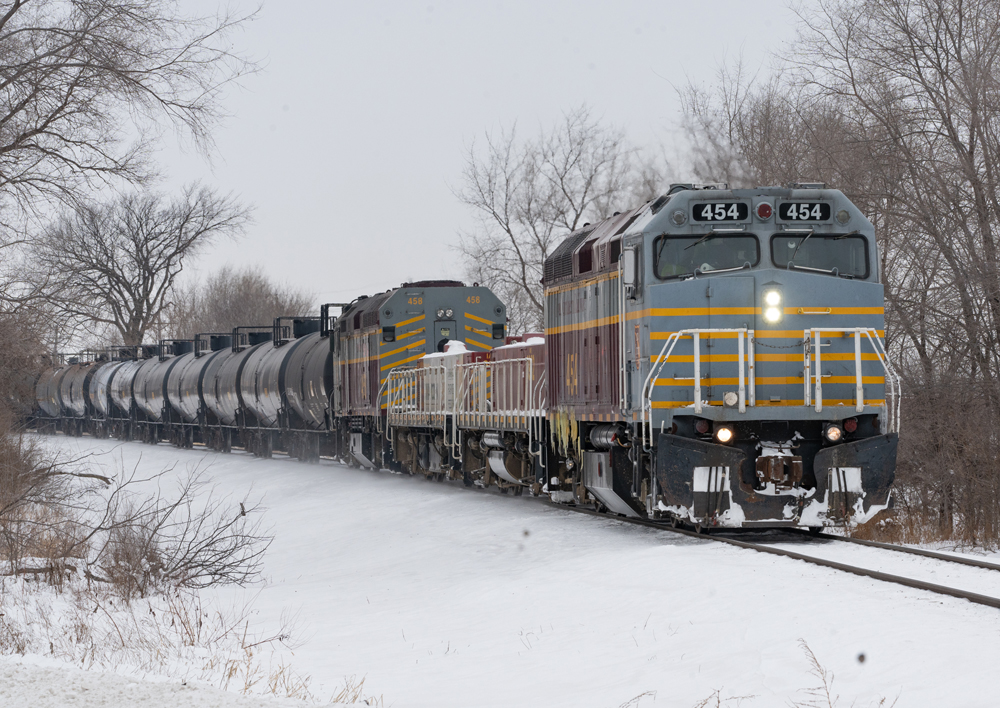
x=744 y=335
x=622 y=347
x=812 y=340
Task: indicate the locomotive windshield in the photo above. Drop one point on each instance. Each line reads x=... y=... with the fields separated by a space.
x=844 y=254
x=677 y=256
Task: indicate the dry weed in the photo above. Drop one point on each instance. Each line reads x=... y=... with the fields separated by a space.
x=353 y=693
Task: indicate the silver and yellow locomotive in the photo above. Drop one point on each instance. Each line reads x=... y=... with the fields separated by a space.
x=716 y=357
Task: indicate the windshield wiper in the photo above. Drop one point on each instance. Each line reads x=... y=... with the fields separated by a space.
x=842 y=236
x=808 y=235
x=792 y=266
x=704 y=238
x=715 y=232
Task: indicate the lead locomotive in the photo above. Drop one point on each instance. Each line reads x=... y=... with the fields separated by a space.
x=717 y=357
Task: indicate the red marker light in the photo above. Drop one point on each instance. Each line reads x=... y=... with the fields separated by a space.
x=851 y=424
x=764 y=210
x=701 y=426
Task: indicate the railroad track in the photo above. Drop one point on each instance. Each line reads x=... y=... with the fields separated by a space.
x=976 y=598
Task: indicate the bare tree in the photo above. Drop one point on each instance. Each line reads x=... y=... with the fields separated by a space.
x=58 y=515
x=79 y=79
x=527 y=195
x=116 y=264
x=230 y=298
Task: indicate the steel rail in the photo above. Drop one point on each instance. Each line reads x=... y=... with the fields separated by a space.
x=899 y=549
x=854 y=570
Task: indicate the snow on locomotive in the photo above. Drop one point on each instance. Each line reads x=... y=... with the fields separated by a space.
x=714 y=357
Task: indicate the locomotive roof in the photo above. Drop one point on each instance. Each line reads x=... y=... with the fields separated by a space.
x=603 y=239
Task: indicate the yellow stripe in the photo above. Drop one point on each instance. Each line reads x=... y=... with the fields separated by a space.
x=797 y=334
x=576 y=285
x=765 y=404
x=478 y=331
x=704 y=382
x=478 y=344
x=823 y=310
x=410 y=321
x=601 y=322
x=702 y=311
x=689 y=358
x=850 y=380
x=411 y=345
x=712 y=335
x=767 y=381
x=404 y=335
x=797 y=380
x=798 y=357
x=758 y=334
x=362 y=360
x=401 y=362
x=478 y=319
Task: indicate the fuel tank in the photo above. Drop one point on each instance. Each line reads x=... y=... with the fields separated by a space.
x=266 y=378
x=224 y=398
x=187 y=377
x=99 y=386
x=260 y=383
x=121 y=386
x=47 y=390
x=308 y=380
x=151 y=381
x=73 y=390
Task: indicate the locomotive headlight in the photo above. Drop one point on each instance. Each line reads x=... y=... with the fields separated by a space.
x=772 y=309
x=448 y=313
x=724 y=434
x=440 y=314
x=833 y=433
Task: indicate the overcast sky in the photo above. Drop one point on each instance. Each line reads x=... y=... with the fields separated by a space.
x=350 y=141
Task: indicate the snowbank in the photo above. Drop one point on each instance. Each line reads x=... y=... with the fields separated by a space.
x=34 y=684
x=440 y=596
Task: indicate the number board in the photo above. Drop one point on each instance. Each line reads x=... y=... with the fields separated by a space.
x=804 y=211
x=721 y=211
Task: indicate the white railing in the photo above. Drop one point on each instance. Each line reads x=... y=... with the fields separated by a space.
x=508 y=394
x=813 y=344
x=746 y=376
x=745 y=379
x=419 y=396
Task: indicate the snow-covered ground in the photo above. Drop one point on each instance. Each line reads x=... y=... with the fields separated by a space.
x=439 y=596
x=38 y=684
